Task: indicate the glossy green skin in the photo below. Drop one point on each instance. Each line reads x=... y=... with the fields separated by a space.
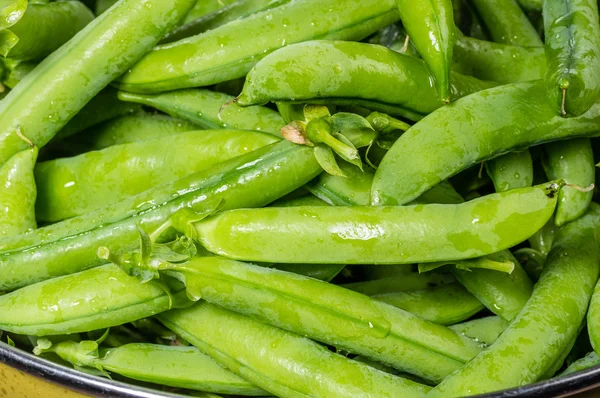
x=237 y=10
x=251 y=180
x=503 y=294
x=64 y=82
x=89 y=300
x=44 y=28
x=485 y=330
x=103 y=5
x=205 y=7
x=444 y=305
x=330 y=314
x=182 y=367
x=430 y=25
x=370 y=75
x=507 y=23
x=572 y=35
x=476 y=128
x=207 y=109
x=400 y=283
x=531 y=4
x=589 y=361
x=573 y=161
x=133 y=128
x=70 y=187
x=230 y=51
x=324 y=272
x=380 y=235
x=18 y=194
x=510 y=171
x=547 y=325
x=283 y=363
x=593 y=318
x=502 y=63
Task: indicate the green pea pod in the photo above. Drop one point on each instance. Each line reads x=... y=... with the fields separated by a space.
x=102 y=6
x=430 y=25
x=64 y=82
x=535 y=5
x=400 y=283
x=180 y=367
x=324 y=272
x=573 y=161
x=132 y=128
x=18 y=194
x=502 y=63
x=507 y=23
x=589 y=361
x=205 y=7
x=254 y=351
x=74 y=186
x=485 y=330
x=380 y=235
x=307 y=200
x=211 y=110
x=250 y=180
x=444 y=305
x=230 y=51
x=572 y=34
x=237 y=10
x=366 y=75
x=478 y=127
x=548 y=323
x=513 y=170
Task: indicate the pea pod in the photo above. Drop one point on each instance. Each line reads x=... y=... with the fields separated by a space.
x=366 y=75
x=573 y=161
x=74 y=186
x=589 y=361
x=64 y=82
x=510 y=171
x=572 y=34
x=379 y=235
x=478 y=127
x=43 y=28
x=250 y=180
x=535 y=5
x=430 y=25
x=18 y=194
x=201 y=60
x=240 y=344
x=102 y=6
x=203 y=8
x=485 y=330
x=208 y=109
x=175 y=366
x=548 y=323
x=393 y=284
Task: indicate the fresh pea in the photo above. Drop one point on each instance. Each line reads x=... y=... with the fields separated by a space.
x=478 y=127
x=510 y=171
x=445 y=304
x=250 y=180
x=572 y=33
x=485 y=330
x=548 y=323
x=283 y=363
x=380 y=235
x=399 y=283
x=230 y=51
x=210 y=109
x=43 y=28
x=64 y=82
x=18 y=194
x=352 y=73
x=573 y=161
x=74 y=186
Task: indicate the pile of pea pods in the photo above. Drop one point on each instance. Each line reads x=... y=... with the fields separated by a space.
x=302 y=198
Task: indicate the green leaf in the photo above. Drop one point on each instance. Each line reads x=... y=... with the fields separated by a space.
x=7 y=41
x=10 y=341
x=355 y=128
x=326 y=160
x=312 y=112
x=386 y=124
x=43 y=345
x=349 y=153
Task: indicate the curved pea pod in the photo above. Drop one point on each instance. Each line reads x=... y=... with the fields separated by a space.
x=74 y=186
x=399 y=283
x=502 y=63
x=251 y=180
x=548 y=324
x=380 y=235
x=210 y=110
x=93 y=299
x=444 y=305
x=18 y=194
x=174 y=366
x=203 y=8
x=43 y=28
x=572 y=33
x=366 y=75
x=485 y=330
x=325 y=272
x=64 y=82
x=430 y=25
x=477 y=128
x=205 y=59
x=573 y=161
x=254 y=351
x=507 y=23
x=589 y=361
x=510 y=171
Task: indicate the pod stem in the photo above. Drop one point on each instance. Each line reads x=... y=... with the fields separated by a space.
x=24 y=138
